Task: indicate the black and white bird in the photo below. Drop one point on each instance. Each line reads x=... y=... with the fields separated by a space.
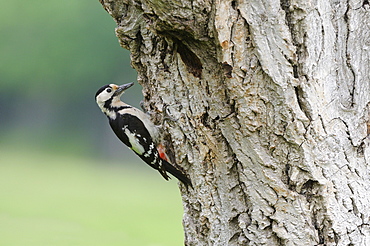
x=135 y=129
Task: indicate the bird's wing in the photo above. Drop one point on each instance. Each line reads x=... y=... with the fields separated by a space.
x=133 y=133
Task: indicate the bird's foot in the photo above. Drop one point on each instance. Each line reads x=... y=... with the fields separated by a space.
x=166 y=115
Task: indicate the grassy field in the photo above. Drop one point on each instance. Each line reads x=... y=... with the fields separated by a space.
x=51 y=200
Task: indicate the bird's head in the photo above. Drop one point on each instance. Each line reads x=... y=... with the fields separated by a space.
x=108 y=95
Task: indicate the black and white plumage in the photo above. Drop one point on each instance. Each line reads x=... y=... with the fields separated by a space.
x=135 y=129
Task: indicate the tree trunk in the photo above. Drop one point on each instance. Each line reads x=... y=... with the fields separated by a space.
x=272 y=106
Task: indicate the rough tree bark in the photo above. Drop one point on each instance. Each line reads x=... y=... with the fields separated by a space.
x=272 y=101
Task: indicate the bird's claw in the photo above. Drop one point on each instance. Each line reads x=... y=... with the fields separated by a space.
x=166 y=116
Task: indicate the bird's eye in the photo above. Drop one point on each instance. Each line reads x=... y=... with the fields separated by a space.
x=109 y=90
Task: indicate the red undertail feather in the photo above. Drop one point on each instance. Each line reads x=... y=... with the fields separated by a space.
x=162 y=152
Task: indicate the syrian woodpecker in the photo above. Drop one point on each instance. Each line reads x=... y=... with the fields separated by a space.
x=135 y=129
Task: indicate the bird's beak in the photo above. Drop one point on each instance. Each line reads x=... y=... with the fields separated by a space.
x=122 y=88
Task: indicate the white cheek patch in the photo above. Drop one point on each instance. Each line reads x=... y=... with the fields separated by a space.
x=103 y=97
x=135 y=145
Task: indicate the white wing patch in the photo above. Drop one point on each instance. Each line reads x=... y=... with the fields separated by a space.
x=134 y=141
x=153 y=129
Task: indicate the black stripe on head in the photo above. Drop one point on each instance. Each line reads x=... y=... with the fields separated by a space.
x=101 y=89
x=122 y=107
x=108 y=103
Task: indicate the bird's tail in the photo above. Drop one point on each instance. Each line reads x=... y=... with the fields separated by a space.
x=176 y=172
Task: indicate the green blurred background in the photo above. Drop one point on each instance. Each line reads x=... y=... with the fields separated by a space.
x=65 y=179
